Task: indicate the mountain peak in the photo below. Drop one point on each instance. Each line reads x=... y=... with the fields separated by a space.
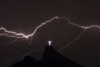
x=51 y=58
x=55 y=58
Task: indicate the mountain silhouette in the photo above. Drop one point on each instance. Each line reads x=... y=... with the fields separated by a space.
x=51 y=58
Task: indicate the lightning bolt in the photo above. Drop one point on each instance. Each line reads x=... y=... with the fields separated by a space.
x=22 y=35
x=5 y=32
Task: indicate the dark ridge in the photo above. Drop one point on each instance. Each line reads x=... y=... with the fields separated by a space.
x=51 y=58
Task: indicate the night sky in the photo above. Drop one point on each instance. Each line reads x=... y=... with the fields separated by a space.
x=26 y=15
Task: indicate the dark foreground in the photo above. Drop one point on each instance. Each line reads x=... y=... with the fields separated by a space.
x=51 y=58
